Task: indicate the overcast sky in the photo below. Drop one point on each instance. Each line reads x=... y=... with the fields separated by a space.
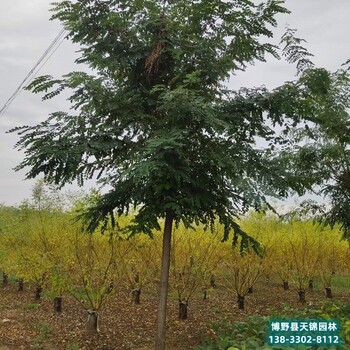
x=26 y=32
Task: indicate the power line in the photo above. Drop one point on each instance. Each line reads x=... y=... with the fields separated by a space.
x=55 y=44
x=43 y=64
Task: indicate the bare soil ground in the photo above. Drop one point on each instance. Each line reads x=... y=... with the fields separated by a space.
x=25 y=324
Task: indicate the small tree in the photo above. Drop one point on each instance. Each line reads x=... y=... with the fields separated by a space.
x=283 y=262
x=47 y=224
x=59 y=259
x=138 y=264
x=195 y=255
x=29 y=241
x=265 y=226
x=243 y=270
x=27 y=260
x=330 y=259
x=304 y=254
x=92 y=273
x=8 y=221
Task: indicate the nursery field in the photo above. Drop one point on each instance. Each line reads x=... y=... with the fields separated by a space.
x=29 y=324
x=65 y=289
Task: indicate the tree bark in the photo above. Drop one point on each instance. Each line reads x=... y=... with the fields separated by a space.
x=183 y=307
x=20 y=285
x=137 y=278
x=311 y=284
x=135 y=296
x=212 y=281
x=205 y=294
x=92 y=322
x=240 y=302
x=38 y=291
x=57 y=304
x=301 y=294
x=5 y=279
x=164 y=282
x=329 y=292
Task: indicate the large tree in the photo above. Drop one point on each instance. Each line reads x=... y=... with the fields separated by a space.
x=321 y=152
x=153 y=121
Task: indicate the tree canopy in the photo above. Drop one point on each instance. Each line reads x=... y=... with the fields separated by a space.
x=154 y=121
x=322 y=153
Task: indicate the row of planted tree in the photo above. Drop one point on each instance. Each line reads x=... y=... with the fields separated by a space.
x=45 y=246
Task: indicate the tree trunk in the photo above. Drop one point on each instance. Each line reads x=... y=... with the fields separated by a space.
x=135 y=296
x=329 y=292
x=212 y=281
x=183 y=304
x=285 y=285
x=240 y=301
x=92 y=322
x=311 y=284
x=164 y=283
x=57 y=304
x=301 y=294
x=38 y=291
x=5 y=279
x=20 y=285
x=205 y=294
